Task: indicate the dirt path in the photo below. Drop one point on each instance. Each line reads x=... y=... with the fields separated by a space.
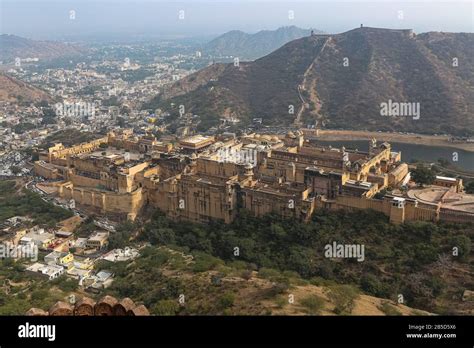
x=302 y=86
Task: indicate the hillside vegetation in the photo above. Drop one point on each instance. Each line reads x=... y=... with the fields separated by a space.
x=414 y=260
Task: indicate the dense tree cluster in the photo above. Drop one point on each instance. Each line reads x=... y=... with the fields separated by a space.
x=27 y=203
x=398 y=258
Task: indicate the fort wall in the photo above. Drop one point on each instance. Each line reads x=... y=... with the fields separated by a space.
x=409 y=212
x=106 y=202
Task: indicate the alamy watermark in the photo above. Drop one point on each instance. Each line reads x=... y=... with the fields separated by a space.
x=243 y=156
x=27 y=251
x=78 y=109
x=28 y=330
x=397 y=109
x=346 y=251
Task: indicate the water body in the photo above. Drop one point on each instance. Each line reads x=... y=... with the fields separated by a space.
x=411 y=152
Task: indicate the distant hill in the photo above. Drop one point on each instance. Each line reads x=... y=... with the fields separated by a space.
x=341 y=81
x=12 y=90
x=13 y=46
x=246 y=46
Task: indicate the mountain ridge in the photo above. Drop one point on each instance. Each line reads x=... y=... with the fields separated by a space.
x=251 y=46
x=310 y=75
x=13 y=46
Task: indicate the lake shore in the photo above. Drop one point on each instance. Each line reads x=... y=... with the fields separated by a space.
x=429 y=140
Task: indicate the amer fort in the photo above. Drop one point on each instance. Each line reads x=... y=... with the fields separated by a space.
x=200 y=178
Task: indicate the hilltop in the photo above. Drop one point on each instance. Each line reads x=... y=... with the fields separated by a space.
x=247 y=46
x=340 y=81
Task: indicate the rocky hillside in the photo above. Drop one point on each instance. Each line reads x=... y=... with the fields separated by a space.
x=246 y=46
x=13 y=46
x=341 y=81
x=13 y=90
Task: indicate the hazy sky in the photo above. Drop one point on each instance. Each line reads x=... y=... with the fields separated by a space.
x=53 y=19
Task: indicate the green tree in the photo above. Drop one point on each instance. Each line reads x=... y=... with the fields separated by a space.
x=372 y=285
x=463 y=245
x=300 y=260
x=423 y=175
x=157 y=235
x=121 y=237
x=425 y=253
x=470 y=187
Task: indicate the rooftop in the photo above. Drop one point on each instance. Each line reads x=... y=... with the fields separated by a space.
x=99 y=236
x=445 y=178
x=196 y=141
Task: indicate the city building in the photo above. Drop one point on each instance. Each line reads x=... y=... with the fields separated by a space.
x=59 y=258
x=49 y=271
x=98 y=241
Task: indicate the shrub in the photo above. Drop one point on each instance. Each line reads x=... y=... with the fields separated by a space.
x=389 y=309
x=246 y=274
x=463 y=245
x=470 y=187
x=313 y=304
x=278 y=288
x=205 y=262
x=268 y=273
x=226 y=300
x=237 y=264
x=372 y=285
x=281 y=302
x=165 y=307
x=343 y=297
x=39 y=295
x=291 y=274
x=318 y=281
x=65 y=284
